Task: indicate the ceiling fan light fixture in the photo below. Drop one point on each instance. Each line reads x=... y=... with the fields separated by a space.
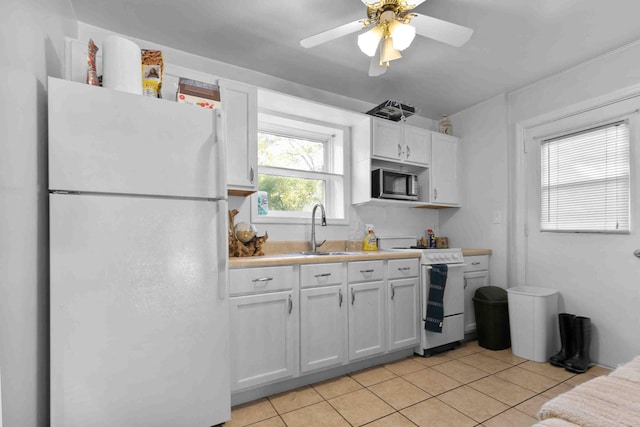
x=368 y=41
x=389 y=53
x=402 y=34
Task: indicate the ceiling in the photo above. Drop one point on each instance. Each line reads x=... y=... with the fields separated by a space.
x=515 y=42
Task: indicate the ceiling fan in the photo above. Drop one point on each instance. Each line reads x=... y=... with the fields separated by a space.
x=392 y=29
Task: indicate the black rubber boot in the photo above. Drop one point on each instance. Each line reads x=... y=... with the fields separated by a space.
x=579 y=363
x=567 y=339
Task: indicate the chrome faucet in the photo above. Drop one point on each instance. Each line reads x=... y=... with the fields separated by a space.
x=315 y=245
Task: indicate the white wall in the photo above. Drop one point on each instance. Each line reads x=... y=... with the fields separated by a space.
x=31 y=35
x=484 y=184
x=491 y=167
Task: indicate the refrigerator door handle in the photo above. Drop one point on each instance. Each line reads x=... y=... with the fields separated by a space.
x=221 y=152
x=222 y=244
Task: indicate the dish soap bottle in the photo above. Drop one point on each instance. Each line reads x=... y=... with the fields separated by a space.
x=370 y=242
x=431 y=239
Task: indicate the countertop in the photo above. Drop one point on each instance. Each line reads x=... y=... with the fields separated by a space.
x=285 y=253
x=292 y=258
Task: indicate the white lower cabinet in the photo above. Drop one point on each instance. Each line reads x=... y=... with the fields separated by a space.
x=263 y=335
x=322 y=327
x=403 y=313
x=366 y=319
x=323 y=316
x=476 y=275
x=346 y=312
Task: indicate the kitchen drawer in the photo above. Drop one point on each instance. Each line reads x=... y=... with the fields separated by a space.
x=260 y=280
x=365 y=271
x=401 y=268
x=320 y=275
x=476 y=262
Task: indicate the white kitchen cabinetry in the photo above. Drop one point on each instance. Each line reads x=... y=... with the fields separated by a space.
x=323 y=316
x=403 y=290
x=444 y=170
x=366 y=309
x=476 y=275
x=263 y=326
x=396 y=142
x=239 y=103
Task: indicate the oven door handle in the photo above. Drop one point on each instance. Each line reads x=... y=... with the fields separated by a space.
x=448 y=265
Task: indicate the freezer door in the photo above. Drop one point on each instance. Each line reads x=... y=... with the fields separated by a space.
x=139 y=312
x=107 y=141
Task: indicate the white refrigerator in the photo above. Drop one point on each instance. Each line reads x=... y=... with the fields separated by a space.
x=139 y=315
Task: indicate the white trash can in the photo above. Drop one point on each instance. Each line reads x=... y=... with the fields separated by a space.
x=533 y=319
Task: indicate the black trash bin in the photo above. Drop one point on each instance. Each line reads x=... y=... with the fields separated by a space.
x=492 y=317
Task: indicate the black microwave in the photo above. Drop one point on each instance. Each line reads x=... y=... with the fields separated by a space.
x=389 y=184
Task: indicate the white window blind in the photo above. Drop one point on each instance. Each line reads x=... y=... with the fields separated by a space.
x=585 y=180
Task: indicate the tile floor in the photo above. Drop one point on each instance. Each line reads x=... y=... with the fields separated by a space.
x=468 y=386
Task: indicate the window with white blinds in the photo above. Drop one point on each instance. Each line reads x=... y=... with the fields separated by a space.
x=585 y=181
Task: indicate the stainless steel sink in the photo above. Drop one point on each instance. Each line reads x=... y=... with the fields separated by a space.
x=311 y=253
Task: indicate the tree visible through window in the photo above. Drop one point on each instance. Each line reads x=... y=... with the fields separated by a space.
x=298 y=169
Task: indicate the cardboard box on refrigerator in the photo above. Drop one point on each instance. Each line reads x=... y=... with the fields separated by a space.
x=202 y=94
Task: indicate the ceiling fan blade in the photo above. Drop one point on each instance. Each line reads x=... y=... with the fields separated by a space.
x=375 y=69
x=331 y=34
x=442 y=31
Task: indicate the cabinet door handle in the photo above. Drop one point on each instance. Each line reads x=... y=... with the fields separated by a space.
x=435 y=194
x=408 y=152
x=339 y=297
x=262 y=282
x=404 y=268
x=465 y=283
x=353 y=296
x=366 y=271
x=251 y=175
x=393 y=292
x=475 y=263
x=290 y=304
x=323 y=275
x=399 y=150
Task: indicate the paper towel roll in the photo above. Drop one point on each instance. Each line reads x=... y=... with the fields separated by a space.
x=121 y=65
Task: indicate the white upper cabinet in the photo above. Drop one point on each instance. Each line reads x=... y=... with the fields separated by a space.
x=444 y=181
x=400 y=143
x=240 y=107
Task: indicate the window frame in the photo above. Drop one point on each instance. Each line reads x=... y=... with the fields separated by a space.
x=330 y=134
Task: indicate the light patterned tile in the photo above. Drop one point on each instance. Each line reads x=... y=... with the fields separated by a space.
x=504 y=391
x=337 y=387
x=436 y=359
x=372 y=376
x=548 y=370
x=557 y=390
x=393 y=420
x=399 y=393
x=511 y=418
x=295 y=399
x=431 y=381
x=532 y=406
x=271 y=422
x=464 y=350
x=251 y=413
x=460 y=371
x=360 y=407
x=404 y=366
x=485 y=363
x=527 y=379
x=435 y=413
x=472 y=403
x=321 y=415
x=506 y=356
